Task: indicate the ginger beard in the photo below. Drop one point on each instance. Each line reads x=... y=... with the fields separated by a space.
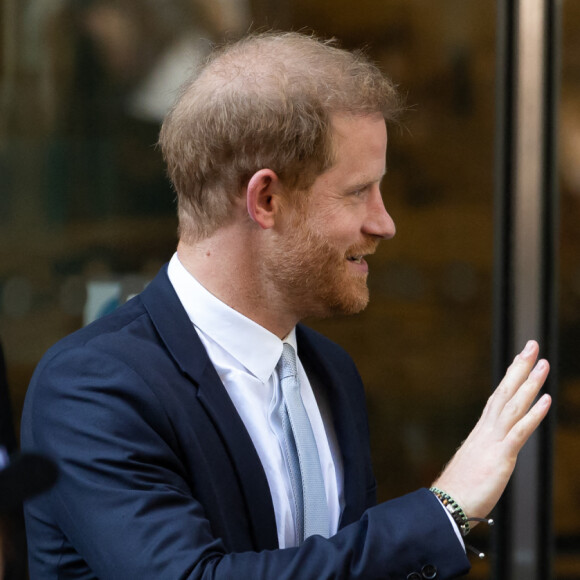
x=314 y=275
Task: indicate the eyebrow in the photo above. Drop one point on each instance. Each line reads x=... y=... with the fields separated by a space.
x=368 y=182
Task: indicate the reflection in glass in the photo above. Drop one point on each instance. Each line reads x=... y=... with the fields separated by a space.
x=567 y=467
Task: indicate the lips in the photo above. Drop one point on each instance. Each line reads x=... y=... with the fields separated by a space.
x=356 y=254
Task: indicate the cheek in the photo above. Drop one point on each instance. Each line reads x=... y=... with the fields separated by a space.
x=336 y=223
x=340 y=231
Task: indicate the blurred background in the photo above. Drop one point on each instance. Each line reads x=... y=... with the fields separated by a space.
x=87 y=215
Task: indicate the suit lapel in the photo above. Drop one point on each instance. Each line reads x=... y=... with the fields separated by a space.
x=178 y=334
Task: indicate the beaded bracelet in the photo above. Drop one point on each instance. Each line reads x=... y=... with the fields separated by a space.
x=454 y=509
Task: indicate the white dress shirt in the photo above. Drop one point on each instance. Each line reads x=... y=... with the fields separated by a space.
x=245 y=356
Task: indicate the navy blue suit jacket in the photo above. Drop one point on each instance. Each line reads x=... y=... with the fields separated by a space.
x=159 y=477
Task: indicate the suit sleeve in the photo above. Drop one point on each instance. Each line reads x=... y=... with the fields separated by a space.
x=124 y=503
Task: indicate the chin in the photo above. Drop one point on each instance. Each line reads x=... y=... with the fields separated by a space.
x=353 y=306
x=343 y=302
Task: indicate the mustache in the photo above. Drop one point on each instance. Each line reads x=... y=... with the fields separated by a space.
x=364 y=249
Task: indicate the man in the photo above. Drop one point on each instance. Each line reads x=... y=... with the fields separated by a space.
x=184 y=449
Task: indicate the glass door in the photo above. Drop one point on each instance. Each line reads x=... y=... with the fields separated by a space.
x=567 y=437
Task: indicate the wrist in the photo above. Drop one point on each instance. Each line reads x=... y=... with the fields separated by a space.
x=454 y=510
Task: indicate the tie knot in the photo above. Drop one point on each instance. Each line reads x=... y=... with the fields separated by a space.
x=287 y=364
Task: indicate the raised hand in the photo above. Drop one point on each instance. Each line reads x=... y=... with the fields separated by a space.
x=480 y=469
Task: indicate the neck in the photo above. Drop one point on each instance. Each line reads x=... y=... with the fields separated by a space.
x=225 y=264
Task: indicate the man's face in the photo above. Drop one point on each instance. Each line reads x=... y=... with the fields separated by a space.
x=319 y=260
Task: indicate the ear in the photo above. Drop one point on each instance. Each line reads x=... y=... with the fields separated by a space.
x=262 y=197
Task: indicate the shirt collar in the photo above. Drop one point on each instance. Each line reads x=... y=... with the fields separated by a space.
x=256 y=348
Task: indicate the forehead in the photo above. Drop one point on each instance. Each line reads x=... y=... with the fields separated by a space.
x=343 y=124
x=359 y=145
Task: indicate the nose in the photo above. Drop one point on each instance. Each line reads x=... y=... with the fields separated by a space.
x=378 y=221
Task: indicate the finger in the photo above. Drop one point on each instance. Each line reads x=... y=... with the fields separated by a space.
x=523 y=398
x=516 y=374
x=522 y=430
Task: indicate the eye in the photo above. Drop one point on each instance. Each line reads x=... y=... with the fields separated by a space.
x=360 y=191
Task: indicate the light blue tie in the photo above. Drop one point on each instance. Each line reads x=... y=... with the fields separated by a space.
x=301 y=454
